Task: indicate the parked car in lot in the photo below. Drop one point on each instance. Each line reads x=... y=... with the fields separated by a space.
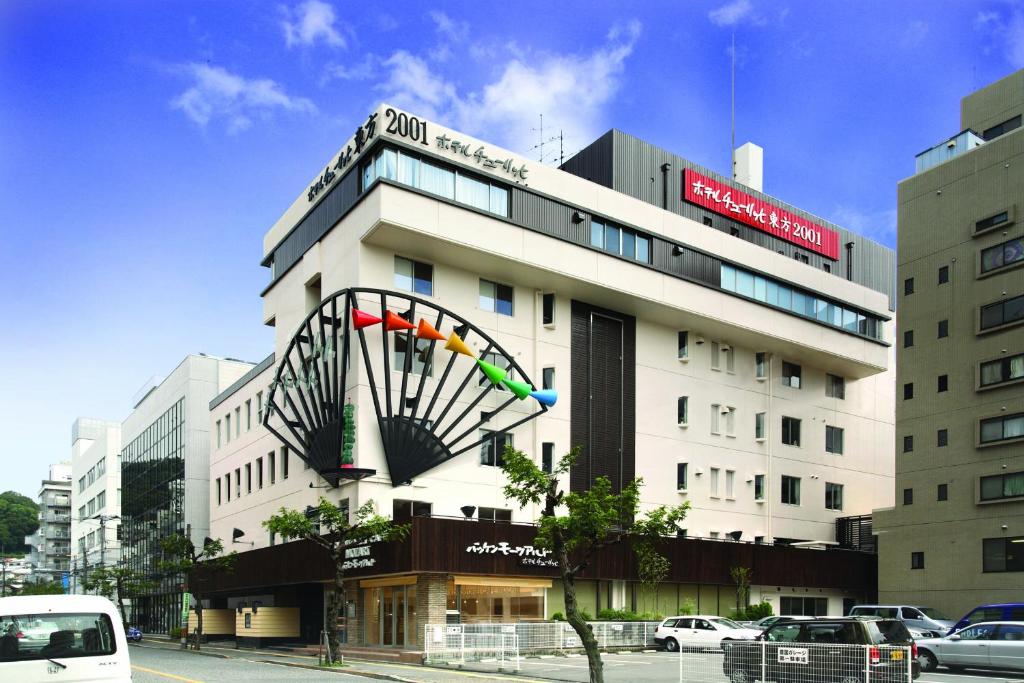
x=1007 y=611
x=986 y=645
x=763 y=623
x=922 y=622
x=824 y=650
x=675 y=632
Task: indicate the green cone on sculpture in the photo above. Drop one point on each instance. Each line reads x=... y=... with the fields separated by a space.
x=520 y=389
x=493 y=372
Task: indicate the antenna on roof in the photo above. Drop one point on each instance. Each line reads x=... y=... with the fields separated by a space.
x=543 y=140
x=541 y=145
x=732 y=143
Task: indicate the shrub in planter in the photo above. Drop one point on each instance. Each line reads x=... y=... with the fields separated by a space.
x=759 y=611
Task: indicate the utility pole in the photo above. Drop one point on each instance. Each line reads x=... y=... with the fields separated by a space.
x=3 y=559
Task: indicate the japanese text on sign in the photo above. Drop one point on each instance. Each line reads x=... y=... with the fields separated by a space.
x=360 y=140
x=744 y=208
x=505 y=548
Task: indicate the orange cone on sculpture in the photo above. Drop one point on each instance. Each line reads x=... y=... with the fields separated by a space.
x=393 y=321
x=427 y=331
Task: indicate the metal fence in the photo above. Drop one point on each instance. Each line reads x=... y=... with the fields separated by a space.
x=448 y=643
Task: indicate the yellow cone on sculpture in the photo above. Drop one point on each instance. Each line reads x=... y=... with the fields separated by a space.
x=520 y=389
x=456 y=344
x=493 y=372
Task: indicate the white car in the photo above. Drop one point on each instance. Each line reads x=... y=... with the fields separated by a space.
x=986 y=645
x=700 y=630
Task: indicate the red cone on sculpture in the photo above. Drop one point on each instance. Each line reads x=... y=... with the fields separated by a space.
x=361 y=319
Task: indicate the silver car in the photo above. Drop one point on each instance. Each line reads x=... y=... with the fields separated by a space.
x=987 y=645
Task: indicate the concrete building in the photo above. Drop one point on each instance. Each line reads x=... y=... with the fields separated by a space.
x=95 y=497
x=953 y=539
x=51 y=544
x=731 y=349
x=165 y=471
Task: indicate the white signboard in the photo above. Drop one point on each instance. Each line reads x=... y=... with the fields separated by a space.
x=792 y=655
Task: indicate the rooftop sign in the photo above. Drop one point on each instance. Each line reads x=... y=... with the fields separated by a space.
x=739 y=206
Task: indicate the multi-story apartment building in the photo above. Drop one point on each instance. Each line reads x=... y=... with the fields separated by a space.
x=95 y=497
x=165 y=472
x=51 y=544
x=954 y=538
x=730 y=349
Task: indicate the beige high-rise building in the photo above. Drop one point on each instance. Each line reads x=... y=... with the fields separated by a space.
x=955 y=539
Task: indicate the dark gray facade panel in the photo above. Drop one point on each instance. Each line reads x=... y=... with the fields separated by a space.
x=592 y=163
x=689 y=264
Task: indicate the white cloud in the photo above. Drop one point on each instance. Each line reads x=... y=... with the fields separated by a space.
x=734 y=13
x=1006 y=32
x=359 y=71
x=311 y=21
x=448 y=27
x=216 y=93
x=570 y=90
x=879 y=226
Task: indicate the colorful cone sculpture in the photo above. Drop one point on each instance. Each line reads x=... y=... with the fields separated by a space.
x=393 y=321
x=493 y=372
x=545 y=397
x=361 y=319
x=520 y=389
x=456 y=344
x=427 y=331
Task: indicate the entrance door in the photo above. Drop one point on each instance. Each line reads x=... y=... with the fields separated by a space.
x=387 y=621
x=390 y=616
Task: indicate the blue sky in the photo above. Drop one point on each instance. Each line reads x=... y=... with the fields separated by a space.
x=147 y=146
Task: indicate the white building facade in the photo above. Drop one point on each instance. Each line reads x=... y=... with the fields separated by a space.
x=50 y=555
x=95 y=497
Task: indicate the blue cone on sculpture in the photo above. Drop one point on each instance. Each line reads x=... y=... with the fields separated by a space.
x=545 y=397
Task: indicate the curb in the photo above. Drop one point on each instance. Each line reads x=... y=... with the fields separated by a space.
x=346 y=670
x=178 y=649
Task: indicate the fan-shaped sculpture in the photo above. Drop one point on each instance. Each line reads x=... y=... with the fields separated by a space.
x=308 y=405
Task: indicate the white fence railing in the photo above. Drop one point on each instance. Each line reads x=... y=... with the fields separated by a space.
x=743 y=661
x=447 y=643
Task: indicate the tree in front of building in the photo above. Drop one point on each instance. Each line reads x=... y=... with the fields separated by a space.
x=115 y=584
x=574 y=526
x=328 y=526
x=42 y=588
x=19 y=517
x=741 y=577
x=182 y=557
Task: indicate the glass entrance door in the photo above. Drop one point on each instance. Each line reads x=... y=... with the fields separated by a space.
x=390 y=616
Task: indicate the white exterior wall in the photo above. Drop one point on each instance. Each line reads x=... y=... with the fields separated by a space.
x=97 y=440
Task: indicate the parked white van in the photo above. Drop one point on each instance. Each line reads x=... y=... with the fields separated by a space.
x=63 y=638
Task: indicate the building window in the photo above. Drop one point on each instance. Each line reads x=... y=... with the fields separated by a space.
x=218 y=434
x=942 y=493
x=708 y=222
x=992 y=221
x=730 y=421
x=942 y=437
x=681 y=475
x=943 y=275
x=414 y=276
x=713 y=482
x=1002 y=312
x=683 y=345
x=217 y=481
x=997 y=429
x=501 y=515
x=620 y=241
x=81 y=484
x=1003 y=554
x=1002 y=255
x=1000 y=129
x=492 y=449
x=790 y=431
x=548 y=309
x=791 y=374
x=835 y=386
x=682 y=410
x=917 y=560
x=1002 y=370
x=248 y=478
x=908 y=391
x=908 y=286
x=730 y=359
x=800 y=606
x=716 y=416
x=273 y=538
x=716 y=356
x=248 y=414
x=790 y=490
x=238 y=482
x=834 y=439
x=758 y=487
x=802 y=258
x=943 y=384
x=760 y=365
x=259 y=473
x=406 y=509
x=284 y=462
x=547 y=457
x=422 y=358
x=908 y=496
x=759 y=426
x=908 y=444
x=1002 y=486
x=548 y=378
x=227 y=430
x=943 y=329
x=495 y=297
x=730 y=484
x=227 y=486
x=272 y=467
x=833 y=496
x=908 y=338
x=238 y=421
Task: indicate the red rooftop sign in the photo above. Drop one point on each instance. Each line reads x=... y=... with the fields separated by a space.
x=757 y=213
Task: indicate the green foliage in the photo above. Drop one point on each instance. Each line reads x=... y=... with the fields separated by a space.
x=759 y=611
x=557 y=616
x=42 y=588
x=626 y=615
x=741 y=577
x=585 y=615
x=688 y=606
x=181 y=555
x=19 y=517
x=116 y=584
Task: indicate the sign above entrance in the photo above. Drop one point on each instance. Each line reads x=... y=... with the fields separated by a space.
x=744 y=208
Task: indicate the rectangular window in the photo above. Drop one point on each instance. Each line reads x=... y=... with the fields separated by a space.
x=713 y=482
x=218 y=434
x=730 y=359
x=238 y=421
x=405 y=509
x=942 y=493
x=791 y=374
x=908 y=444
x=492 y=450
x=943 y=331
x=997 y=429
x=682 y=344
x=943 y=274
x=547 y=457
x=421 y=362
x=620 y=241
x=730 y=483
x=497 y=515
x=1003 y=554
x=681 y=475
x=790 y=431
x=272 y=467
x=1002 y=128
x=834 y=440
x=908 y=496
x=760 y=365
x=942 y=437
x=548 y=378
x=227 y=425
x=716 y=356
x=730 y=421
x=991 y=221
x=908 y=391
x=259 y=407
x=833 y=496
x=835 y=386
x=908 y=338
x=548 y=309
x=413 y=276
x=248 y=478
x=1002 y=312
x=284 y=462
x=759 y=426
x=248 y=414
x=908 y=286
x=1002 y=486
x=943 y=383
x=917 y=560
x=259 y=473
x=1002 y=370
x=238 y=482
x=495 y=297
x=81 y=484
x=227 y=485
x=682 y=410
x=790 y=490
x=716 y=416
x=758 y=487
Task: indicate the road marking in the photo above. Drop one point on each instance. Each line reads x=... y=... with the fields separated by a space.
x=165 y=675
